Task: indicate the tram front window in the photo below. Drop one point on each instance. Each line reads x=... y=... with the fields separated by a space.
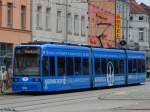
x=27 y=62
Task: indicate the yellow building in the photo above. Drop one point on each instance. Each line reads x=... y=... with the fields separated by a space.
x=14 y=27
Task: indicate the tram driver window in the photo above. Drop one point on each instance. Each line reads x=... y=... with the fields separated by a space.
x=61 y=66
x=85 y=66
x=45 y=66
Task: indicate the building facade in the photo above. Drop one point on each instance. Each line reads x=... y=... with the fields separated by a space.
x=147 y=9
x=123 y=11
x=139 y=27
x=14 y=27
x=60 y=21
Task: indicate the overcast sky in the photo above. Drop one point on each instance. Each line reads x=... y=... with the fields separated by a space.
x=144 y=1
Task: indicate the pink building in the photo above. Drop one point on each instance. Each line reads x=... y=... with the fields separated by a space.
x=14 y=27
x=102 y=23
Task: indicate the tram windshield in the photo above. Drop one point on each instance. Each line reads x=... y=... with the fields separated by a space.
x=27 y=61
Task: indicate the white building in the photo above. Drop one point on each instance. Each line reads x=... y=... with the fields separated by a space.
x=139 y=27
x=49 y=18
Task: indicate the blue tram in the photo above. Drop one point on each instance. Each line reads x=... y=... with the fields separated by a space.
x=56 y=67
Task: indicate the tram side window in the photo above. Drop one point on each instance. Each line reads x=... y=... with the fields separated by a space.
x=132 y=66
x=69 y=66
x=77 y=62
x=121 y=66
x=61 y=66
x=116 y=66
x=52 y=65
x=85 y=66
x=45 y=66
x=104 y=66
x=141 y=66
x=97 y=66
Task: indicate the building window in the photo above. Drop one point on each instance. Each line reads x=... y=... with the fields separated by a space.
x=6 y=49
x=23 y=17
x=141 y=34
x=141 y=18
x=39 y=17
x=9 y=14
x=131 y=18
x=69 y=17
x=83 y=26
x=59 y=22
x=0 y=13
x=76 y=24
x=48 y=18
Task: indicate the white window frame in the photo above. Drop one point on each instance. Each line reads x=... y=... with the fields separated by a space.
x=83 y=26
x=39 y=17
x=76 y=24
x=59 y=21
x=69 y=24
x=141 y=34
x=48 y=19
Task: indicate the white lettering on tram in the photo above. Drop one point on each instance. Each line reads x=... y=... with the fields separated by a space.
x=64 y=81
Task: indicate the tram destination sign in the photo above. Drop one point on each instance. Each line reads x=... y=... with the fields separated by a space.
x=27 y=51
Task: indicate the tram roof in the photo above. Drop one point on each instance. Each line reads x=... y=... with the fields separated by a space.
x=75 y=46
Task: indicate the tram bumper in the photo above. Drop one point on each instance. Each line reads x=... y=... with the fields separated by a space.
x=26 y=87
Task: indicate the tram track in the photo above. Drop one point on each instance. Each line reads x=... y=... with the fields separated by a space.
x=56 y=103
x=50 y=101
x=40 y=97
x=34 y=98
x=37 y=102
x=22 y=96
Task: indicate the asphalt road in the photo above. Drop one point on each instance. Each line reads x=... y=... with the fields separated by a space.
x=123 y=99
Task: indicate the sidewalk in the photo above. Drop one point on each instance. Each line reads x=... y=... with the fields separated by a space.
x=148 y=79
x=7 y=92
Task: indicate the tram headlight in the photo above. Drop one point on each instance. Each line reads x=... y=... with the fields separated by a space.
x=36 y=79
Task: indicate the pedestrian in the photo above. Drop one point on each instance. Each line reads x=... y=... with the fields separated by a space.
x=9 y=76
x=3 y=80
